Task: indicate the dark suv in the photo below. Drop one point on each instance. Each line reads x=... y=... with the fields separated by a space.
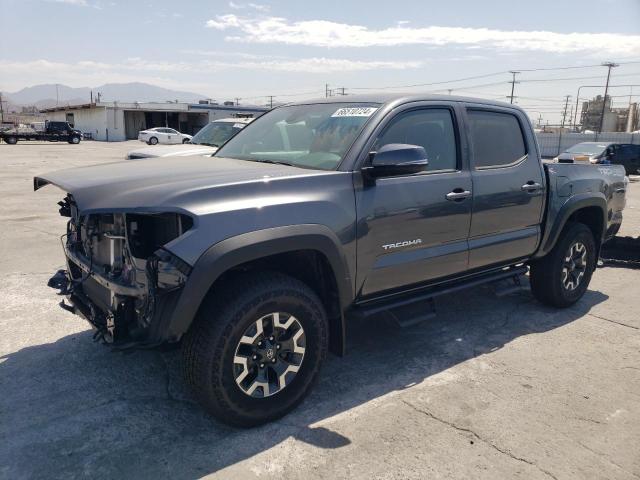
x=624 y=154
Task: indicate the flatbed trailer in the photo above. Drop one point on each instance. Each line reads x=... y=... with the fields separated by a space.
x=53 y=132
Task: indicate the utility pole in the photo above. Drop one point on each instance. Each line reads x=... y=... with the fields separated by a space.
x=566 y=105
x=270 y=97
x=340 y=91
x=449 y=90
x=237 y=101
x=609 y=65
x=1 y=110
x=513 y=84
x=326 y=90
x=57 y=96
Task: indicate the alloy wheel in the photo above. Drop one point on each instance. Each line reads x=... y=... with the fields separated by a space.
x=574 y=266
x=269 y=355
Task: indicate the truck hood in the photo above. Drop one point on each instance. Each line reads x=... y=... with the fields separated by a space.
x=184 y=150
x=163 y=184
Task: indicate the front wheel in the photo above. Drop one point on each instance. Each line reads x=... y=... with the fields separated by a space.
x=74 y=140
x=561 y=277
x=256 y=348
x=185 y=140
x=153 y=141
x=11 y=140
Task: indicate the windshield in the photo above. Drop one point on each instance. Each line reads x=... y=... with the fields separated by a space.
x=216 y=133
x=308 y=136
x=588 y=148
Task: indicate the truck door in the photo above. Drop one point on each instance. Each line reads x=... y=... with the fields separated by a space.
x=508 y=186
x=414 y=228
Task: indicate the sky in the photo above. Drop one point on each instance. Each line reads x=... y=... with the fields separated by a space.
x=292 y=49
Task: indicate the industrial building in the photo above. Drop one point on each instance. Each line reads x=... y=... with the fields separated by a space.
x=615 y=119
x=116 y=122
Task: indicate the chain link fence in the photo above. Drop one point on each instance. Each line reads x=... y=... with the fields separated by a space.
x=552 y=144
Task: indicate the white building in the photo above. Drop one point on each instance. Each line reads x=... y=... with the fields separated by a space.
x=116 y=122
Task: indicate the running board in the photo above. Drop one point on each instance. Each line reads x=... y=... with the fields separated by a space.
x=411 y=308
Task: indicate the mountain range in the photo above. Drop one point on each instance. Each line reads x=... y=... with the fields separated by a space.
x=44 y=96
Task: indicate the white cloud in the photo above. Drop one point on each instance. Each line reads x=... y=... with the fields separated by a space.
x=21 y=73
x=323 y=33
x=80 y=3
x=256 y=6
x=223 y=22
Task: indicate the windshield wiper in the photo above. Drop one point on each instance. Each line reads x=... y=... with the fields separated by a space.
x=276 y=162
x=207 y=144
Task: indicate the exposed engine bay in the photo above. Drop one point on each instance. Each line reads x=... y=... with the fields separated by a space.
x=119 y=276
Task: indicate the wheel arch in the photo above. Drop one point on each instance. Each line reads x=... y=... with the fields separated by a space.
x=584 y=208
x=281 y=249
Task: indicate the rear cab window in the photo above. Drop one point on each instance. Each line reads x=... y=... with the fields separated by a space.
x=496 y=137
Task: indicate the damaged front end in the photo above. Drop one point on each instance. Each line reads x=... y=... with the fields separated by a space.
x=119 y=276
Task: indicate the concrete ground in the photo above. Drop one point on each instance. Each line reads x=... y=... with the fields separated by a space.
x=490 y=388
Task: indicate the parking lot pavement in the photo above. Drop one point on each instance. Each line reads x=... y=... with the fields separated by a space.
x=490 y=388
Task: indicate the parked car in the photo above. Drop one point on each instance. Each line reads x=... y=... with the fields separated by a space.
x=205 y=142
x=588 y=152
x=320 y=212
x=624 y=154
x=163 y=135
x=52 y=131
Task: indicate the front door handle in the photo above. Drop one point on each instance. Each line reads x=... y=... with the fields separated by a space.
x=531 y=187
x=457 y=195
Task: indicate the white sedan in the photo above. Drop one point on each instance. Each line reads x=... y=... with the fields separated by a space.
x=164 y=135
x=204 y=143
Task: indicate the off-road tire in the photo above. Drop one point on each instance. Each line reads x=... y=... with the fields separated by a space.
x=210 y=345
x=153 y=141
x=546 y=274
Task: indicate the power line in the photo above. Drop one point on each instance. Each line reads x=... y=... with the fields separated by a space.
x=571 y=68
x=431 y=83
x=573 y=78
x=387 y=87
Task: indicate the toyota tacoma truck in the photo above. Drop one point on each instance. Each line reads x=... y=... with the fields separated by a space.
x=256 y=258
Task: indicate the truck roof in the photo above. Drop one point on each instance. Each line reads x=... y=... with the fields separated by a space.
x=398 y=98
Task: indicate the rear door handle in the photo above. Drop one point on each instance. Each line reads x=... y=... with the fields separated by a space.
x=458 y=194
x=531 y=187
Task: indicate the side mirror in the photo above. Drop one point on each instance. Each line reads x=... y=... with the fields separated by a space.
x=397 y=159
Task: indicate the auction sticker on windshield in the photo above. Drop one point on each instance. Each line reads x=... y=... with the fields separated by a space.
x=354 y=112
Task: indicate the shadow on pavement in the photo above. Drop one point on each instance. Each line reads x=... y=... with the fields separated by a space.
x=73 y=408
x=621 y=252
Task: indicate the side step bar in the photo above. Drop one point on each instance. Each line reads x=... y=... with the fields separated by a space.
x=410 y=308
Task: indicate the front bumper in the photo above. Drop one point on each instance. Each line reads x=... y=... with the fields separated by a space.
x=124 y=315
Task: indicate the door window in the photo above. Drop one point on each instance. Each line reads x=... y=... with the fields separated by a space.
x=496 y=138
x=431 y=129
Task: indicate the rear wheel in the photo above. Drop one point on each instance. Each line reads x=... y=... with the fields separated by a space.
x=11 y=140
x=256 y=348
x=153 y=141
x=562 y=277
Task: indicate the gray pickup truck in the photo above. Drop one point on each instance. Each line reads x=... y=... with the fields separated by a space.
x=255 y=259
